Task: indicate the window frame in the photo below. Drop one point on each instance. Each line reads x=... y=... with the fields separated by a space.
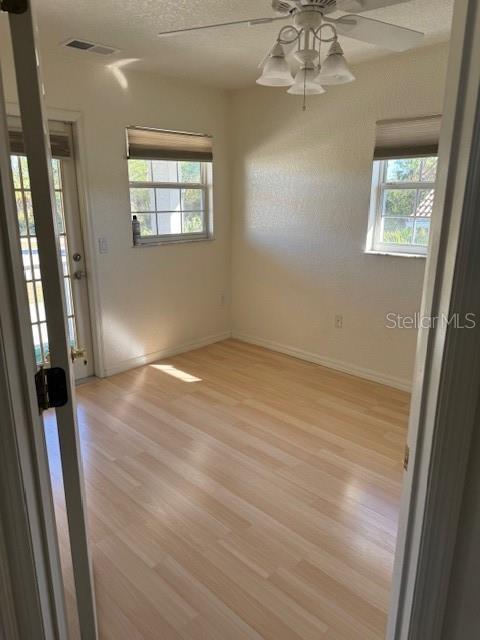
x=379 y=186
x=206 y=186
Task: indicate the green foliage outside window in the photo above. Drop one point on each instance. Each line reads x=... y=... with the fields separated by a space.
x=162 y=210
x=407 y=200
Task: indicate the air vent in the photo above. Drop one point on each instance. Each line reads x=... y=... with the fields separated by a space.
x=91 y=47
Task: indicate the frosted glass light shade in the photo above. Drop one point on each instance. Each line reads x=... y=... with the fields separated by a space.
x=276 y=73
x=335 y=71
x=305 y=83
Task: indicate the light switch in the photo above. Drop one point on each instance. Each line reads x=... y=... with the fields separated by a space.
x=102 y=245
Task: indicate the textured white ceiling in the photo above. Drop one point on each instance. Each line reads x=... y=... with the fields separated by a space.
x=225 y=57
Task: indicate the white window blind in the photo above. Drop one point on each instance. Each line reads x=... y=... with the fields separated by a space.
x=408 y=138
x=156 y=144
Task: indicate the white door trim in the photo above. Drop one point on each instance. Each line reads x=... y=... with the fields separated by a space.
x=447 y=373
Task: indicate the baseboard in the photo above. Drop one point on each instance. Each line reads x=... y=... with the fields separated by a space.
x=331 y=363
x=148 y=358
x=338 y=365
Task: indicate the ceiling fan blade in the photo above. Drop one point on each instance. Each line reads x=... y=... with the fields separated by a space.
x=382 y=34
x=252 y=22
x=357 y=6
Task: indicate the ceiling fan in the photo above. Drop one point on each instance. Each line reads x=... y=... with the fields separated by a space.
x=312 y=25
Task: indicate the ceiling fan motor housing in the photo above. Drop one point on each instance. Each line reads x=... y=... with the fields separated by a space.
x=292 y=7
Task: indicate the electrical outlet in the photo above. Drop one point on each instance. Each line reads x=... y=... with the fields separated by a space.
x=338 y=322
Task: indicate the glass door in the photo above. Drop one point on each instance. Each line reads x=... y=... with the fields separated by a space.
x=72 y=256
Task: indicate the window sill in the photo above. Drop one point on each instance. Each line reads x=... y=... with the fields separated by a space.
x=394 y=254
x=155 y=243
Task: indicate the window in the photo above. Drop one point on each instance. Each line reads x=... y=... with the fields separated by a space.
x=403 y=190
x=170 y=180
x=403 y=185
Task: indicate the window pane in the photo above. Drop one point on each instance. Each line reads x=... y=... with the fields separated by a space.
x=399 y=202
x=425 y=203
x=14 y=160
x=36 y=343
x=142 y=200
x=140 y=170
x=59 y=211
x=68 y=296
x=64 y=255
x=71 y=332
x=40 y=301
x=148 y=224
x=25 y=175
x=27 y=266
x=44 y=337
x=189 y=172
x=164 y=171
x=193 y=222
x=22 y=222
x=422 y=232
x=168 y=199
x=429 y=169
x=404 y=170
x=397 y=230
x=28 y=205
x=192 y=199
x=35 y=259
x=57 y=183
x=31 y=302
x=169 y=223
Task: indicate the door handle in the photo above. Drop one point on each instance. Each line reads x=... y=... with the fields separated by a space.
x=78 y=352
x=78 y=275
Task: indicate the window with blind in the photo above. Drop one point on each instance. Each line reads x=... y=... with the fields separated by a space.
x=403 y=185
x=170 y=180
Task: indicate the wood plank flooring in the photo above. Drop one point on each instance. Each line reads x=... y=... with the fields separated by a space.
x=238 y=494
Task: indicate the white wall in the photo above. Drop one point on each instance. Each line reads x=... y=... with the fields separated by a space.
x=156 y=298
x=301 y=191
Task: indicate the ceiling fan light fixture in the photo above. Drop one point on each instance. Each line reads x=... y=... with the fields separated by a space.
x=276 y=72
x=335 y=69
x=305 y=83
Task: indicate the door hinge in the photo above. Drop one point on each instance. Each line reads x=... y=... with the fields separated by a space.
x=406 y=457
x=51 y=386
x=14 y=6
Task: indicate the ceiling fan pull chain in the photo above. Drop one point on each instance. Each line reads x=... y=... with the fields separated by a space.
x=304 y=105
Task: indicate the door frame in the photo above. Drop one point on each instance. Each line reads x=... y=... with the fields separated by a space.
x=447 y=369
x=32 y=601
x=23 y=30
x=76 y=120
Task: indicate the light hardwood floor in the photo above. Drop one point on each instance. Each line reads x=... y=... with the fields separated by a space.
x=238 y=494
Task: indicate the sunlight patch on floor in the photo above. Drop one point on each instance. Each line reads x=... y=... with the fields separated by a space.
x=176 y=373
